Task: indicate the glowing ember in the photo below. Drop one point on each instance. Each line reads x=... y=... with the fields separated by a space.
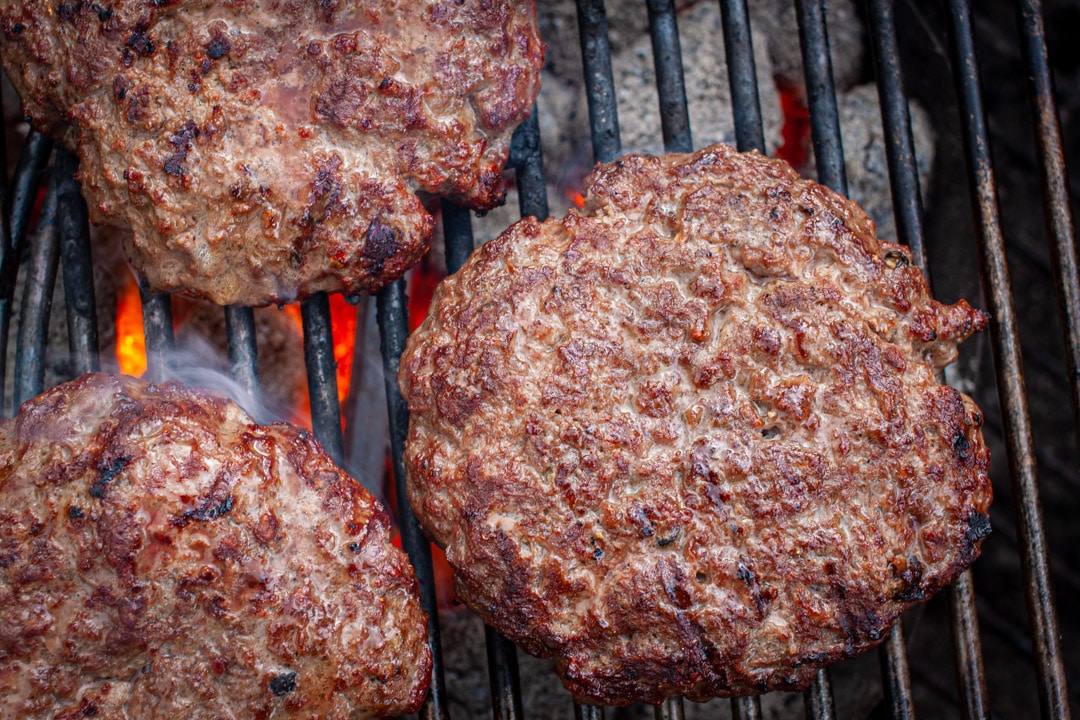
x=575 y=197
x=130 y=340
x=421 y=284
x=343 y=329
x=795 y=134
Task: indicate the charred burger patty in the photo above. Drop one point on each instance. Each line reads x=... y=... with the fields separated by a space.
x=689 y=440
x=162 y=556
x=264 y=151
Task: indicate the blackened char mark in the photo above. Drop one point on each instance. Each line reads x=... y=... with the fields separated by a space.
x=665 y=541
x=12 y=30
x=218 y=48
x=140 y=42
x=283 y=684
x=977 y=529
x=380 y=245
x=325 y=193
x=209 y=509
x=182 y=141
x=961 y=445
x=912 y=577
x=761 y=596
x=107 y=470
x=67 y=12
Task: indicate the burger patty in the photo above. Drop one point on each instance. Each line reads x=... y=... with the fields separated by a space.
x=162 y=556
x=689 y=440
x=260 y=152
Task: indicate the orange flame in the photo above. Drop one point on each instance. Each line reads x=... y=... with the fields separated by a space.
x=343 y=329
x=795 y=133
x=130 y=340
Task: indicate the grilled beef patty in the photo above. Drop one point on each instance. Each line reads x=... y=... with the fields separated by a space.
x=260 y=152
x=162 y=556
x=689 y=439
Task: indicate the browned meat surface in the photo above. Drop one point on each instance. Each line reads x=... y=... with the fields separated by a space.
x=689 y=441
x=161 y=556
x=264 y=151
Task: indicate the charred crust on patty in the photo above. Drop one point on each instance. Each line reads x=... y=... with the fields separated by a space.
x=417 y=102
x=716 y=374
x=159 y=552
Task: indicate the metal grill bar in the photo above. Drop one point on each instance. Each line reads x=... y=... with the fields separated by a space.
x=670 y=709
x=675 y=126
x=501 y=653
x=526 y=156
x=37 y=301
x=1055 y=187
x=392 y=316
x=599 y=86
x=746 y=708
x=243 y=350
x=527 y=159
x=1049 y=665
x=821 y=94
x=458 y=234
x=588 y=712
x=322 y=376
x=667 y=57
x=604 y=128
x=24 y=188
x=907 y=209
x=818 y=698
x=158 y=329
x=25 y=184
x=967 y=648
x=503 y=676
x=78 y=264
x=742 y=76
x=899 y=143
x=829 y=156
x=895 y=674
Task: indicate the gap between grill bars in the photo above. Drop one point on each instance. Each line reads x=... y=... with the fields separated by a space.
x=62 y=237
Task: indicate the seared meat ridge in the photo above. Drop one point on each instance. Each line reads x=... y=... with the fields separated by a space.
x=688 y=440
x=263 y=151
x=161 y=556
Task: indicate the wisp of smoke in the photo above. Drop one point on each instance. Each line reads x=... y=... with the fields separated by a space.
x=199 y=364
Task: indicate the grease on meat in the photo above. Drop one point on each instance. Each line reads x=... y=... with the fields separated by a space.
x=162 y=556
x=689 y=439
x=261 y=152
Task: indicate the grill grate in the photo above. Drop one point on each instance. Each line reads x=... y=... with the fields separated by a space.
x=1049 y=667
x=62 y=232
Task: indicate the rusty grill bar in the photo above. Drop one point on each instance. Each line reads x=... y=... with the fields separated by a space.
x=1020 y=446
x=62 y=232
x=1055 y=187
